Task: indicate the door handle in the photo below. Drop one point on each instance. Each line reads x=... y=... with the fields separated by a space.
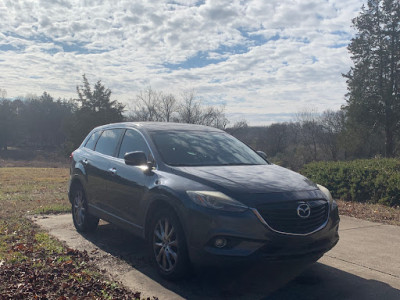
x=112 y=171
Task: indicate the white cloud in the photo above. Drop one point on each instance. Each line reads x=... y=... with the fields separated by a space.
x=258 y=57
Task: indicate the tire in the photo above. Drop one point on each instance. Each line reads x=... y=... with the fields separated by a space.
x=167 y=245
x=83 y=221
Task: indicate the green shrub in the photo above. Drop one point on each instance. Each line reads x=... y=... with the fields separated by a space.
x=367 y=180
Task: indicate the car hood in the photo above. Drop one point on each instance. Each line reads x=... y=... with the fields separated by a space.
x=260 y=179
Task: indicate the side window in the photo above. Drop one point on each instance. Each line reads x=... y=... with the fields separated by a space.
x=91 y=142
x=108 y=141
x=133 y=141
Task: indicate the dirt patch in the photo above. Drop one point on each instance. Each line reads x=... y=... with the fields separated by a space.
x=370 y=212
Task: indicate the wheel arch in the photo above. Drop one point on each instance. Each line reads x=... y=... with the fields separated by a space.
x=75 y=183
x=158 y=204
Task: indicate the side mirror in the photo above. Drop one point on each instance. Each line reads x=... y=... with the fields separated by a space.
x=137 y=158
x=262 y=154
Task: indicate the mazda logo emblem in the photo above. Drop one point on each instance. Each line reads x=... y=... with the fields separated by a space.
x=303 y=210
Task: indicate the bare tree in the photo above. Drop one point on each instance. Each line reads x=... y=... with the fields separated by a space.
x=168 y=107
x=3 y=94
x=151 y=105
x=190 y=108
x=240 y=124
x=309 y=130
x=333 y=124
x=147 y=106
x=276 y=138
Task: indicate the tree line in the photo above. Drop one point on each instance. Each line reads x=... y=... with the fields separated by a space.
x=60 y=124
x=311 y=136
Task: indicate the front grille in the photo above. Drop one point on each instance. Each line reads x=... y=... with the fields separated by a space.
x=283 y=217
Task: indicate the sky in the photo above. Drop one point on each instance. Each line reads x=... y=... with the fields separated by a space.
x=264 y=60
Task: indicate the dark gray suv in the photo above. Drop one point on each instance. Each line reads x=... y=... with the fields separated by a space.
x=198 y=195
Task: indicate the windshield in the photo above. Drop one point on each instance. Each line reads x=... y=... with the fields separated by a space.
x=200 y=148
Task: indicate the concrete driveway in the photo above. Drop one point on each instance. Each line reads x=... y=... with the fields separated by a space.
x=364 y=265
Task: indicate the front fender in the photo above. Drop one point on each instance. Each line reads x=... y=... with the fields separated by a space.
x=161 y=195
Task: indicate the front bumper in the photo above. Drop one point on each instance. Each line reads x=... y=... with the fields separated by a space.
x=250 y=240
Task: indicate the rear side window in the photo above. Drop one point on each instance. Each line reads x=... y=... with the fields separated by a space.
x=91 y=142
x=133 y=141
x=108 y=141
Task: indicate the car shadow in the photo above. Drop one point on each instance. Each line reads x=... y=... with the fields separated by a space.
x=254 y=281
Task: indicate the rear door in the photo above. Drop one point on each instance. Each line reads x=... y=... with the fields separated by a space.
x=88 y=159
x=100 y=173
x=129 y=183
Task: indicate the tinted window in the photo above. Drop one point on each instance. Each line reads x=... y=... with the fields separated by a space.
x=196 y=148
x=133 y=141
x=91 y=142
x=108 y=141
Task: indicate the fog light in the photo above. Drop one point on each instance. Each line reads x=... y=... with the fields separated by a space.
x=220 y=242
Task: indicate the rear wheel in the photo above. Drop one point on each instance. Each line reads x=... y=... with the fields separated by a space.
x=168 y=245
x=83 y=221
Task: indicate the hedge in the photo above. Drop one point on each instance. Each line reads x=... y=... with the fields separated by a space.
x=367 y=180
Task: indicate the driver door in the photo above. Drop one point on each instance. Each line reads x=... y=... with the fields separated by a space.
x=129 y=183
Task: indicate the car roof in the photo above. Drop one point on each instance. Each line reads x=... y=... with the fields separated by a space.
x=161 y=126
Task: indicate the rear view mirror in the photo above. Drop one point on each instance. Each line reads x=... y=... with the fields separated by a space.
x=262 y=154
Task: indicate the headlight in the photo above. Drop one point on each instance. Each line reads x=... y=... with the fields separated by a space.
x=332 y=202
x=216 y=200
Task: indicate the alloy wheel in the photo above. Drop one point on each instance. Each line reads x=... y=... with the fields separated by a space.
x=165 y=245
x=79 y=208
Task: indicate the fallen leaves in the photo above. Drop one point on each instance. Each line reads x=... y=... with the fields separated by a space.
x=40 y=272
x=371 y=212
x=32 y=264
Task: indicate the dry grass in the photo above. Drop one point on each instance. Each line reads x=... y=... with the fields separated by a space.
x=371 y=212
x=32 y=190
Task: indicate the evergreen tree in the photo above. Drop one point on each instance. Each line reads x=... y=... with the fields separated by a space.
x=41 y=122
x=94 y=108
x=8 y=120
x=373 y=100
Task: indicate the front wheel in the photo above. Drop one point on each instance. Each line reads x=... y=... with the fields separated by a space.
x=83 y=221
x=168 y=245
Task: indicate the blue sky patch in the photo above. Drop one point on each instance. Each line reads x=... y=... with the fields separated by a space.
x=257 y=39
x=77 y=47
x=202 y=59
x=8 y=47
x=340 y=32
x=199 y=60
x=340 y=45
